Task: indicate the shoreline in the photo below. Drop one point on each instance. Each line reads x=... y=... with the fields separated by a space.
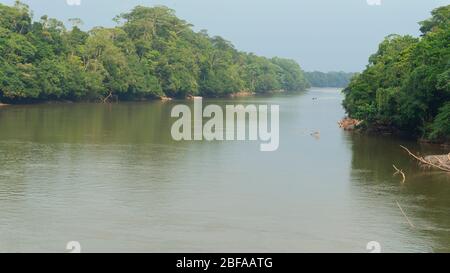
x=240 y=94
x=353 y=125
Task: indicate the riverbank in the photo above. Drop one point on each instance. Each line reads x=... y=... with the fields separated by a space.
x=240 y=94
x=350 y=124
x=125 y=78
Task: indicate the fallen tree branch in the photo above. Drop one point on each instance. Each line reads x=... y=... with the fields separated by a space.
x=404 y=214
x=421 y=159
x=349 y=124
x=439 y=160
x=107 y=98
x=400 y=172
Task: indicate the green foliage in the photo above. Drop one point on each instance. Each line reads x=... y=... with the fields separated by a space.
x=291 y=75
x=440 y=18
x=330 y=79
x=406 y=83
x=151 y=53
x=440 y=128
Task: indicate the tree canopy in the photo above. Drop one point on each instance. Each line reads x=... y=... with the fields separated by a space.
x=150 y=53
x=330 y=79
x=406 y=84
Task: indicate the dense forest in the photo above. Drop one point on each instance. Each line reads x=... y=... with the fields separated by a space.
x=329 y=79
x=149 y=54
x=406 y=85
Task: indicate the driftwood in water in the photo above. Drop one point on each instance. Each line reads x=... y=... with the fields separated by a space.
x=107 y=97
x=110 y=98
x=404 y=214
x=441 y=162
x=400 y=172
x=165 y=98
x=349 y=124
x=242 y=94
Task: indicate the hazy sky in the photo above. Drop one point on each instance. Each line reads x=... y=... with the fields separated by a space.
x=320 y=34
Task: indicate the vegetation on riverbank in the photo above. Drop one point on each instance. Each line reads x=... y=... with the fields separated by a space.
x=150 y=54
x=406 y=85
x=329 y=79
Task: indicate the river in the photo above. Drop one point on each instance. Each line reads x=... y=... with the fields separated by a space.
x=111 y=177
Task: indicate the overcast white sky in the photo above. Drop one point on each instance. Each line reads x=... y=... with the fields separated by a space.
x=320 y=34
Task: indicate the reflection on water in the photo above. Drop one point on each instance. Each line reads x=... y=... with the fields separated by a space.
x=111 y=177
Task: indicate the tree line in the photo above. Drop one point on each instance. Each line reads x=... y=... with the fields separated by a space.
x=151 y=53
x=406 y=85
x=337 y=79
